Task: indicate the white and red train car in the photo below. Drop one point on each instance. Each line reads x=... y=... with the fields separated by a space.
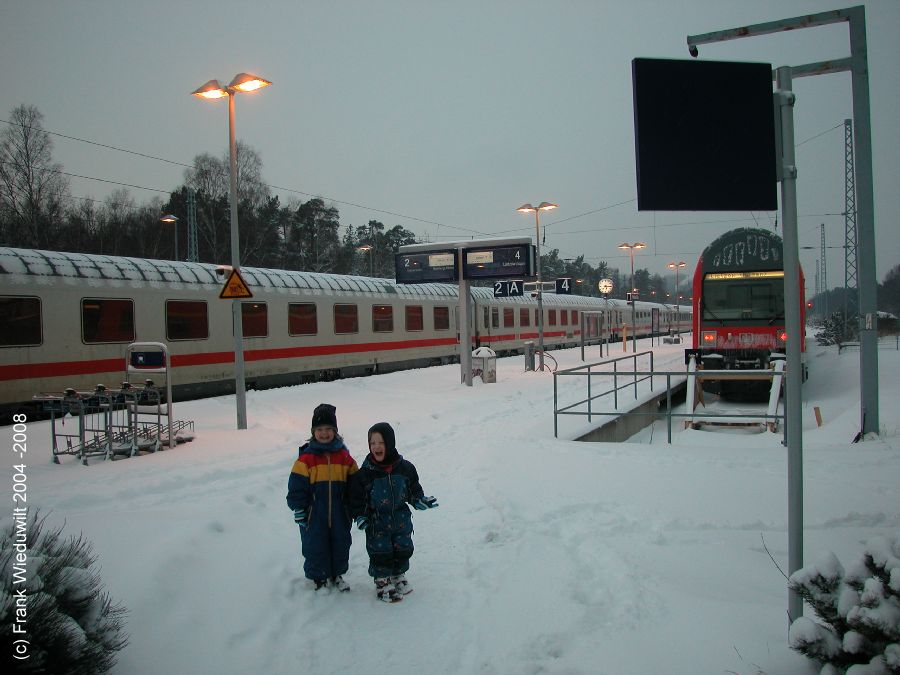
x=67 y=318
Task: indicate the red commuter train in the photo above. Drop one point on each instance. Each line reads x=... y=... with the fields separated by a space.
x=738 y=303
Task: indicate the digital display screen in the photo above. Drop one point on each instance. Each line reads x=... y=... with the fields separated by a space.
x=499 y=262
x=420 y=268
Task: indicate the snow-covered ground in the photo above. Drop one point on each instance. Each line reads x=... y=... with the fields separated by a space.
x=546 y=555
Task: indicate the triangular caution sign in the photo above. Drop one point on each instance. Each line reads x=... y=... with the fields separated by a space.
x=235 y=287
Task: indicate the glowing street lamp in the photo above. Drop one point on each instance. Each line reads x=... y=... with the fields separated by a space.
x=676 y=266
x=528 y=208
x=631 y=248
x=243 y=83
x=368 y=248
x=169 y=218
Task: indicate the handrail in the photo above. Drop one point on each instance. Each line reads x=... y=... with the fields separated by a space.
x=588 y=371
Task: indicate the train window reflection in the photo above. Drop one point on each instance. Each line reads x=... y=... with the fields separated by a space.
x=106 y=320
x=442 y=318
x=414 y=318
x=302 y=319
x=20 y=322
x=255 y=319
x=382 y=318
x=346 y=319
x=186 y=320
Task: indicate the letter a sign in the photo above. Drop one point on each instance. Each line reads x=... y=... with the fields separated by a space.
x=235 y=287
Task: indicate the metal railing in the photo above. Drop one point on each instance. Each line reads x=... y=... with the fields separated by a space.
x=587 y=370
x=674 y=379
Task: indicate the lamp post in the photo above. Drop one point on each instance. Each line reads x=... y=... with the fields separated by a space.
x=169 y=218
x=631 y=248
x=368 y=248
x=245 y=83
x=528 y=208
x=675 y=266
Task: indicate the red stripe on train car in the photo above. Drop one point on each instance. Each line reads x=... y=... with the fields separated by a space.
x=27 y=371
x=63 y=368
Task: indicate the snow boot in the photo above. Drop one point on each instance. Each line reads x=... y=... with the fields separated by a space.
x=401 y=584
x=321 y=584
x=339 y=583
x=386 y=591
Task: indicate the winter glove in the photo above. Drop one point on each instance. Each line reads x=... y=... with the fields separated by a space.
x=362 y=522
x=423 y=503
x=300 y=518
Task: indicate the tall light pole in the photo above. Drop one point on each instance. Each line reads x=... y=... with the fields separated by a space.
x=245 y=83
x=169 y=218
x=675 y=266
x=528 y=208
x=367 y=248
x=630 y=248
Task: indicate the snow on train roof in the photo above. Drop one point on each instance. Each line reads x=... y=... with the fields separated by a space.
x=30 y=262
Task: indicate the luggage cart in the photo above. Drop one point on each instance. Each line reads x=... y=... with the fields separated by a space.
x=145 y=358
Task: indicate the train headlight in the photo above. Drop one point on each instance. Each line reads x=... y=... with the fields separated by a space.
x=709 y=337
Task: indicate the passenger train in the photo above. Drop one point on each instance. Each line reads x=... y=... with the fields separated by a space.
x=66 y=320
x=738 y=303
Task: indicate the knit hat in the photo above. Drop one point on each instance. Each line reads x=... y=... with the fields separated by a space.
x=324 y=416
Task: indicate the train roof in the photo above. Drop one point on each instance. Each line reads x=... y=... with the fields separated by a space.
x=743 y=249
x=30 y=264
x=87 y=266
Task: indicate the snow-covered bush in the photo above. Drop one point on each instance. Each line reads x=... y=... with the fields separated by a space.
x=69 y=622
x=858 y=631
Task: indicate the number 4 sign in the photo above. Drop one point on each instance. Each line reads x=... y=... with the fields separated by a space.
x=564 y=286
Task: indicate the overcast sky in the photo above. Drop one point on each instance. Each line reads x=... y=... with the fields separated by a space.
x=442 y=117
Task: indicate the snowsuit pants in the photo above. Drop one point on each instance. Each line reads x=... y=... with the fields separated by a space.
x=389 y=544
x=326 y=550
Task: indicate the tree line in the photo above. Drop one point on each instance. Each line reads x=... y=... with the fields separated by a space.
x=37 y=211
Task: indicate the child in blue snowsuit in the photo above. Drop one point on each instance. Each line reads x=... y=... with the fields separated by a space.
x=317 y=493
x=379 y=494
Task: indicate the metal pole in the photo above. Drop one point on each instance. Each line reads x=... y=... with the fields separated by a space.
x=868 y=283
x=785 y=96
x=236 y=318
x=540 y=288
x=465 y=339
x=677 y=305
x=176 y=239
x=633 y=326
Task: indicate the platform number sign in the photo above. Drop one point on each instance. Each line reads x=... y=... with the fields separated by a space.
x=564 y=286
x=504 y=289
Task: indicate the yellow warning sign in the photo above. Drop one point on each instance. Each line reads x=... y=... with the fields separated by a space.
x=235 y=287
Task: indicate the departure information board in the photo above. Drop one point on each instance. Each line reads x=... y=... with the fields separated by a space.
x=499 y=262
x=420 y=268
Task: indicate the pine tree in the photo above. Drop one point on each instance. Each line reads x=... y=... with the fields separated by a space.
x=71 y=623
x=859 y=611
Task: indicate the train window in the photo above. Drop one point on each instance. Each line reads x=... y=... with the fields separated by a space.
x=255 y=319
x=485 y=321
x=524 y=316
x=414 y=318
x=495 y=317
x=563 y=317
x=20 y=322
x=105 y=320
x=346 y=319
x=509 y=317
x=383 y=318
x=442 y=318
x=574 y=317
x=186 y=320
x=302 y=319
x=551 y=317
